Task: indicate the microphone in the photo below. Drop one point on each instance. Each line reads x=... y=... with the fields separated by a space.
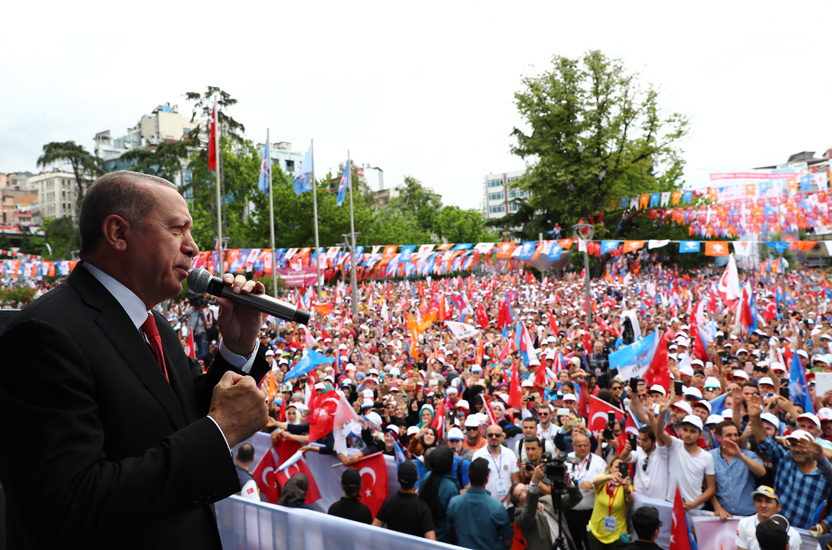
x=200 y=280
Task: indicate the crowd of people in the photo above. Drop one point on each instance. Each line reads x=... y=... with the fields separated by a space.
x=725 y=430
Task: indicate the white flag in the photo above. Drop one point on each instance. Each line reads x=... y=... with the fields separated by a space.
x=461 y=331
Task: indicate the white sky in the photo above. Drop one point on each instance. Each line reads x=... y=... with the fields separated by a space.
x=419 y=88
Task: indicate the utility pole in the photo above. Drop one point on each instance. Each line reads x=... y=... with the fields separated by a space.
x=584 y=232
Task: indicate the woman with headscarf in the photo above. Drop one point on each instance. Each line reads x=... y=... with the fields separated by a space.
x=437 y=490
x=425 y=439
x=294 y=492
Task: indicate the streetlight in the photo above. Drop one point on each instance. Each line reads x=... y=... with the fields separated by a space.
x=584 y=232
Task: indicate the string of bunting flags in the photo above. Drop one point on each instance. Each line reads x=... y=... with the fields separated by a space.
x=764 y=203
x=418 y=261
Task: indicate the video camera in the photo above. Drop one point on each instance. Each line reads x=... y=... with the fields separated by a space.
x=556 y=471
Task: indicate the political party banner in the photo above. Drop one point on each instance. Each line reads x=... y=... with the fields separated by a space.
x=297 y=277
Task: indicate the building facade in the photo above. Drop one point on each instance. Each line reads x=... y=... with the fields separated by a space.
x=57 y=196
x=498 y=199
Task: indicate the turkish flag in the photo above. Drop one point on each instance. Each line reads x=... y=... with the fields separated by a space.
x=482 y=317
x=373 y=470
x=515 y=394
x=598 y=417
x=189 y=347
x=679 y=531
x=212 y=143
x=270 y=482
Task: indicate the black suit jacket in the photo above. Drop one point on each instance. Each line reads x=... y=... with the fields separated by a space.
x=97 y=449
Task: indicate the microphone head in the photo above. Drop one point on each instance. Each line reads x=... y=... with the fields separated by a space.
x=198 y=280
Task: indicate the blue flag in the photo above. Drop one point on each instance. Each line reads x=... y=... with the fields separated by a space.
x=344 y=184
x=303 y=179
x=554 y=253
x=265 y=169
x=632 y=361
x=608 y=246
x=527 y=250
x=798 y=389
x=779 y=246
x=686 y=247
x=308 y=362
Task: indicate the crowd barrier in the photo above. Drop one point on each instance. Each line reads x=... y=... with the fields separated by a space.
x=711 y=533
x=276 y=522
x=249 y=525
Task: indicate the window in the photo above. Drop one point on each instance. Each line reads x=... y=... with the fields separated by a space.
x=290 y=166
x=497 y=209
x=495 y=183
x=513 y=207
x=496 y=196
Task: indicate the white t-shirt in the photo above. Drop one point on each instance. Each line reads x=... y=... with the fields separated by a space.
x=747 y=535
x=586 y=470
x=499 y=470
x=687 y=471
x=652 y=481
x=549 y=434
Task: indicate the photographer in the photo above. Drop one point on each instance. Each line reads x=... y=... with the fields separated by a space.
x=534 y=452
x=613 y=493
x=537 y=516
x=650 y=463
x=584 y=468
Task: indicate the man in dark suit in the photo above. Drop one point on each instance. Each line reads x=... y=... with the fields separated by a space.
x=106 y=440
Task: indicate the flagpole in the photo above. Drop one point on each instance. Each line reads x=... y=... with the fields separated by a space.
x=315 y=212
x=271 y=212
x=354 y=260
x=221 y=262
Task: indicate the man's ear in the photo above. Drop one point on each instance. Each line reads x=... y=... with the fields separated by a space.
x=115 y=230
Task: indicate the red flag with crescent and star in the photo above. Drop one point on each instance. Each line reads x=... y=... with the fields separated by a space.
x=270 y=482
x=373 y=471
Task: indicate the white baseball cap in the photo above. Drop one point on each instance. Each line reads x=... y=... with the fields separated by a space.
x=693 y=420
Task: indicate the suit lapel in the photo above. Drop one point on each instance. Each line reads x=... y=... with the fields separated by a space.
x=127 y=340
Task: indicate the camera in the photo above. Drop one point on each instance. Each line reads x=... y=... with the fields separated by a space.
x=556 y=471
x=632 y=440
x=529 y=465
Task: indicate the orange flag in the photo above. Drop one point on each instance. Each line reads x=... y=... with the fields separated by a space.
x=716 y=248
x=632 y=246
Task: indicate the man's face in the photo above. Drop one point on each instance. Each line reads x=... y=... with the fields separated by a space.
x=645 y=442
x=748 y=391
x=157 y=255
x=581 y=446
x=455 y=444
x=533 y=451
x=729 y=433
x=495 y=436
x=529 y=429
x=676 y=415
x=544 y=414
x=520 y=491
x=766 y=507
x=472 y=432
x=701 y=412
x=615 y=388
x=808 y=425
x=690 y=434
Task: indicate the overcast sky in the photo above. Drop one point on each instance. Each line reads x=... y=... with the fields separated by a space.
x=422 y=88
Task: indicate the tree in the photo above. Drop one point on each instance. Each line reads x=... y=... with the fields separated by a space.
x=85 y=166
x=456 y=225
x=593 y=132
x=63 y=236
x=414 y=201
x=163 y=160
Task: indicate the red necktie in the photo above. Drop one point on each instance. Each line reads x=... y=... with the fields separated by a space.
x=152 y=332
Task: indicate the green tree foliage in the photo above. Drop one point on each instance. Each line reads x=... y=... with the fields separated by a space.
x=63 y=236
x=164 y=160
x=85 y=166
x=592 y=131
x=456 y=225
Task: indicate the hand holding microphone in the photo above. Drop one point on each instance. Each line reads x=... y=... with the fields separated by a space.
x=239 y=326
x=201 y=280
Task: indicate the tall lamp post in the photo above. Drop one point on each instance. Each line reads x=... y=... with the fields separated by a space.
x=584 y=232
